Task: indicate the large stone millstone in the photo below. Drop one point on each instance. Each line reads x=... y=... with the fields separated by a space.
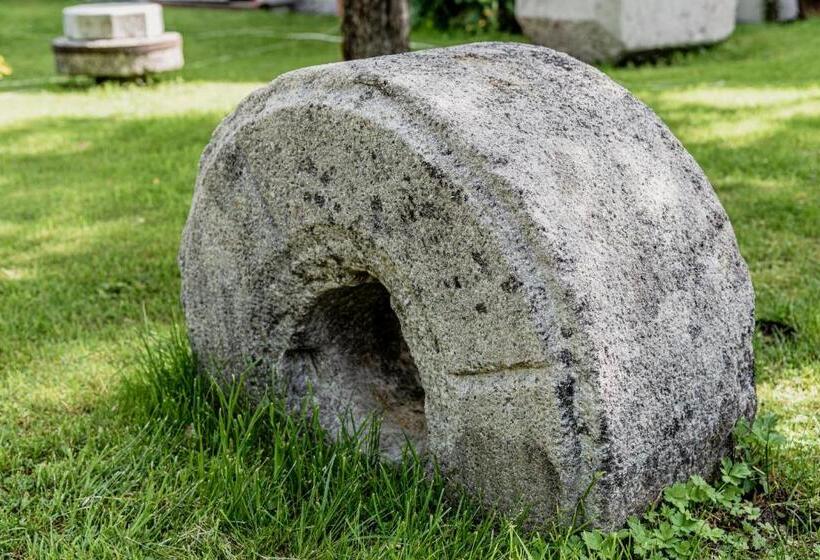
x=497 y=249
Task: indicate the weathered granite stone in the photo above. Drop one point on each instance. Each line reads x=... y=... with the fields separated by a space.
x=116 y=40
x=600 y=30
x=494 y=247
x=113 y=21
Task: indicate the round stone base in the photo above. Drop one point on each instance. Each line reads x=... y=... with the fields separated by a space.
x=119 y=58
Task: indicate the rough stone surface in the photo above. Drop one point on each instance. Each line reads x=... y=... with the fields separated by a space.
x=119 y=58
x=596 y=30
x=113 y=21
x=496 y=248
x=757 y=11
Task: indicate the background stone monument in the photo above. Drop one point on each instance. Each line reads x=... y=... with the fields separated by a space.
x=495 y=248
x=757 y=11
x=116 y=40
x=608 y=30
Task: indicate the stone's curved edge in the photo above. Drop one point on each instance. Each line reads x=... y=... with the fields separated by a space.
x=170 y=39
x=119 y=58
x=370 y=90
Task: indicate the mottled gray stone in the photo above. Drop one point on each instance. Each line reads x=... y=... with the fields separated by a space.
x=497 y=249
x=601 y=30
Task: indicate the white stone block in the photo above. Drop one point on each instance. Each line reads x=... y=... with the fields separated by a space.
x=597 y=30
x=113 y=21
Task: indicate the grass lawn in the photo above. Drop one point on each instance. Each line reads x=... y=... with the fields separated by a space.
x=109 y=450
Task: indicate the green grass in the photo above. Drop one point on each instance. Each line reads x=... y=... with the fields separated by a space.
x=112 y=450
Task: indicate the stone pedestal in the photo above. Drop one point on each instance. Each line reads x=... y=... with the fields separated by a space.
x=116 y=40
x=608 y=30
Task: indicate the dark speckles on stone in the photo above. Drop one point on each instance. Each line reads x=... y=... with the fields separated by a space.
x=608 y=465
x=511 y=284
x=717 y=219
x=234 y=162
x=672 y=428
x=554 y=59
x=481 y=261
x=604 y=436
x=566 y=357
x=378 y=84
x=327 y=176
x=567 y=332
x=428 y=210
x=377 y=208
x=435 y=173
x=565 y=393
x=409 y=214
x=500 y=83
x=307 y=165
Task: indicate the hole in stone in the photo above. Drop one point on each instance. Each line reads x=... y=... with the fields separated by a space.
x=351 y=356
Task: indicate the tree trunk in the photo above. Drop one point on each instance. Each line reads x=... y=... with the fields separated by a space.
x=375 y=27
